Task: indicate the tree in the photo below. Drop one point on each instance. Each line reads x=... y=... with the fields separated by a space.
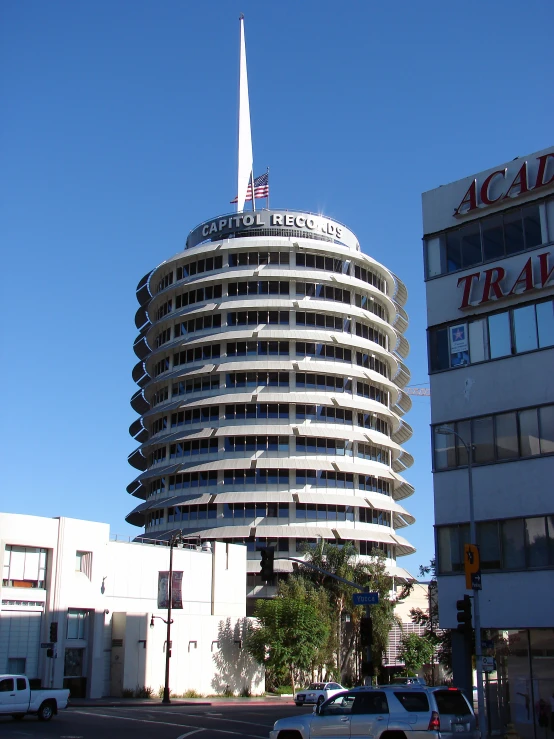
x=344 y=561
x=415 y=651
x=288 y=636
x=429 y=619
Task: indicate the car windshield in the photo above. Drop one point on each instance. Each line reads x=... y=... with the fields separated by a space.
x=316 y=686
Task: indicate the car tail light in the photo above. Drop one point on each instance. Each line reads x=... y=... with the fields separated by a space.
x=454 y=689
x=435 y=722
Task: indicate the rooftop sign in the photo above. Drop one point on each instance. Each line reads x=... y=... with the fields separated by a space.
x=515 y=182
x=286 y=223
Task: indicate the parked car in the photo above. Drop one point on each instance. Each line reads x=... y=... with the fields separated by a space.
x=17 y=698
x=317 y=693
x=408 y=711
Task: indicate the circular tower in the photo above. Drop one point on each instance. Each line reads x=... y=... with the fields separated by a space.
x=270 y=393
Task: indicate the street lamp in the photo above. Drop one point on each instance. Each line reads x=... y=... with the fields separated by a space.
x=447 y=431
x=175 y=539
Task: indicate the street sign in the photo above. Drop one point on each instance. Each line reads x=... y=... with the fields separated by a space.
x=46 y=645
x=488 y=664
x=365 y=599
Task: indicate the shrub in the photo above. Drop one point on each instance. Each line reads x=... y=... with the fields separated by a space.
x=245 y=692
x=127 y=693
x=142 y=692
x=191 y=693
x=283 y=690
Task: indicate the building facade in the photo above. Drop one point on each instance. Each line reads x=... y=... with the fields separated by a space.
x=94 y=602
x=489 y=261
x=271 y=374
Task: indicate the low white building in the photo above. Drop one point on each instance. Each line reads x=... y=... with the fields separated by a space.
x=66 y=576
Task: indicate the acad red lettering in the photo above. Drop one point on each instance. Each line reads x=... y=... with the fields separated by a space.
x=519 y=181
x=545 y=273
x=493 y=284
x=485 y=199
x=525 y=277
x=543 y=163
x=467 y=282
x=470 y=199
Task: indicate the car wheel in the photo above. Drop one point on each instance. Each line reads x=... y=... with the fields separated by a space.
x=46 y=711
x=320 y=700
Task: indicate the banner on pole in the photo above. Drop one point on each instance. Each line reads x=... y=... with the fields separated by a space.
x=176 y=590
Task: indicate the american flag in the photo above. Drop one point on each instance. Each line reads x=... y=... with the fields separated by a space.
x=261 y=188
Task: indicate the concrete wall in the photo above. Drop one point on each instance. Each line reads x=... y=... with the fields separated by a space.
x=119 y=592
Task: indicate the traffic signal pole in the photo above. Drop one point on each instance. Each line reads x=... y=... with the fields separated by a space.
x=476 y=610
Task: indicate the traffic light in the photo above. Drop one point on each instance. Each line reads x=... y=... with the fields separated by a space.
x=54 y=631
x=366 y=631
x=465 y=625
x=266 y=569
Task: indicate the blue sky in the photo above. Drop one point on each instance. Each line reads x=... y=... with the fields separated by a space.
x=118 y=136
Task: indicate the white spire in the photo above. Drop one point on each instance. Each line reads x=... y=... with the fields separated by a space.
x=245 y=159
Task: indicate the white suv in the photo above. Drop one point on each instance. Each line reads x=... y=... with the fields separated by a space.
x=386 y=712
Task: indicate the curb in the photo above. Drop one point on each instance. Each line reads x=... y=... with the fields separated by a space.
x=133 y=703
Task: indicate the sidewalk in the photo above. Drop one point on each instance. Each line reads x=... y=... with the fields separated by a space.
x=265 y=700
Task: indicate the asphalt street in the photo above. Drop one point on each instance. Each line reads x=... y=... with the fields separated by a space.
x=168 y=722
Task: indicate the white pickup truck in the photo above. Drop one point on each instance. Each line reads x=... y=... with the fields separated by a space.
x=17 y=698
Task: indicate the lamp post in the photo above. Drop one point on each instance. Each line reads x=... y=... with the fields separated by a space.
x=175 y=539
x=447 y=431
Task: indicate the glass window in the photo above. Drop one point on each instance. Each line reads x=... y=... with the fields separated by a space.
x=545 y=323
x=471 y=245
x=477 y=340
x=493 y=238
x=550 y=528
x=513 y=548
x=529 y=432
x=76 y=624
x=464 y=430
x=546 y=416
x=453 y=251
x=499 y=335
x=413 y=702
x=439 y=353
x=537 y=541
x=483 y=439
x=513 y=232
x=525 y=329
x=532 y=226
x=445 y=450
x=371 y=702
x=451 y=702
x=450 y=547
x=506 y=436
x=489 y=545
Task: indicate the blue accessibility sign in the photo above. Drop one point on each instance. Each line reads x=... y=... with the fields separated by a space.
x=365 y=599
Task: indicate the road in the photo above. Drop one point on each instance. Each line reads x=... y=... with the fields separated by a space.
x=167 y=722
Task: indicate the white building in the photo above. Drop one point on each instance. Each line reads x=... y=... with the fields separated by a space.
x=489 y=260
x=271 y=373
x=102 y=595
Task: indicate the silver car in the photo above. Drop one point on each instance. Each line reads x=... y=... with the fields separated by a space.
x=387 y=712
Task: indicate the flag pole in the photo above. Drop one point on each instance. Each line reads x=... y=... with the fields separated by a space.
x=267 y=196
x=253 y=190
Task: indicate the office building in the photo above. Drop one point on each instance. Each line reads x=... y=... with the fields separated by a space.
x=271 y=392
x=489 y=261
